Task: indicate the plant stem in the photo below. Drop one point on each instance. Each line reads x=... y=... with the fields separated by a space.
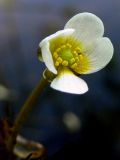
x=22 y=115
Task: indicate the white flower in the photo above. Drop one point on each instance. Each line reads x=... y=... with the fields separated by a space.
x=79 y=48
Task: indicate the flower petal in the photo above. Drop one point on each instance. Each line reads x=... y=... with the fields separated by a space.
x=47 y=57
x=66 y=81
x=46 y=53
x=87 y=27
x=99 y=54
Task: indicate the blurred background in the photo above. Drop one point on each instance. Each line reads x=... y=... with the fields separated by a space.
x=69 y=126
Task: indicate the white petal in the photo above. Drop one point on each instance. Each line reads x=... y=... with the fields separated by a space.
x=100 y=54
x=47 y=57
x=64 y=32
x=87 y=27
x=68 y=82
x=46 y=53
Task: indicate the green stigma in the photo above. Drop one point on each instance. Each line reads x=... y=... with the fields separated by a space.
x=66 y=54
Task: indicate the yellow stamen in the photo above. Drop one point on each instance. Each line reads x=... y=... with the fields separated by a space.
x=75 y=53
x=77 y=59
x=74 y=65
x=59 y=60
x=77 y=49
x=65 y=63
x=55 y=55
x=67 y=51
x=56 y=63
x=81 y=57
x=58 y=49
x=68 y=45
x=64 y=46
x=72 y=60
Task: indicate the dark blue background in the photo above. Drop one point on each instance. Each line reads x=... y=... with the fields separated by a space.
x=23 y=24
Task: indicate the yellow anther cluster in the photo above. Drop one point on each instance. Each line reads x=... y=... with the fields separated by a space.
x=56 y=55
x=75 y=60
x=72 y=63
x=62 y=62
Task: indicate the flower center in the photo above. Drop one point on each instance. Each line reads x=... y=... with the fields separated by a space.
x=69 y=54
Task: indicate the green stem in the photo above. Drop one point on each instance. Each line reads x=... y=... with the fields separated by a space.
x=25 y=109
